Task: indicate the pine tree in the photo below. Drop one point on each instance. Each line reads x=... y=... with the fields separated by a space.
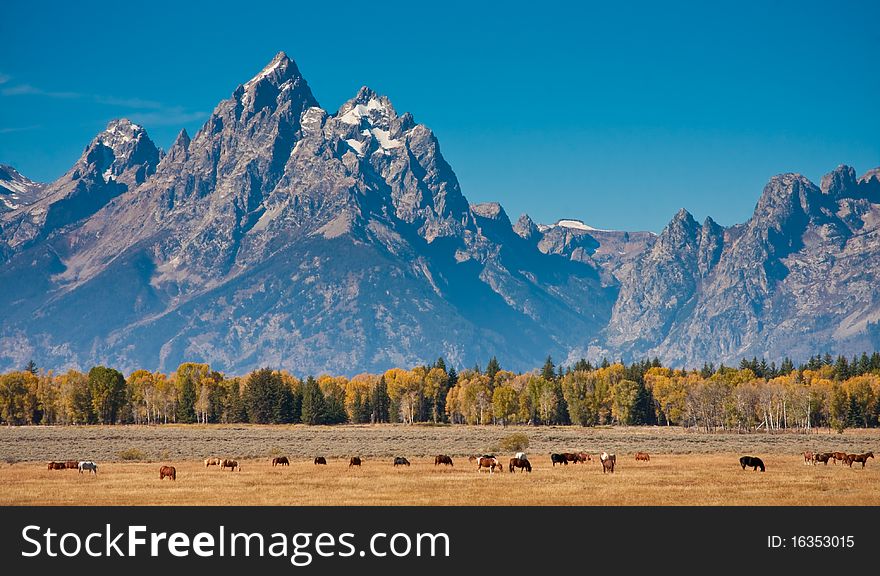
x=380 y=402
x=643 y=407
x=492 y=369
x=787 y=366
x=31 y=367
x=548 y=371
x=312 y=403
x=453 y=377
x=582 y=366
x=440 y=363
x=763 y=369
x=186 y=405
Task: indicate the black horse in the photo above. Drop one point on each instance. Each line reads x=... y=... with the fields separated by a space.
x=401 y=461
x=558 y=459
x=752 y=461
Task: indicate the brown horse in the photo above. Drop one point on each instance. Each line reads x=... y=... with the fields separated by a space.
x=443 y=459
x=644 y=456
x=558 y=459
x=280 y=461
x=490 y=462
x=521 y=463
x=212 y=462
x=809 y=458
x=584 y=457
x=320 y=460
x=608 y=461
x=355 y=461
x=57 y=466
x=823 y=457
x=227 y=463
x=838 y=456
x=168 y=472
x=71 y=464
x=863 y=458
x=571 y=457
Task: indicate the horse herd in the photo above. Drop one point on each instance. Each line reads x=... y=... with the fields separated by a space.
x=814 y=457
x=483 y=462
x=81 y=465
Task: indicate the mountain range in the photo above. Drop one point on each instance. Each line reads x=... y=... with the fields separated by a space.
x=285 y=235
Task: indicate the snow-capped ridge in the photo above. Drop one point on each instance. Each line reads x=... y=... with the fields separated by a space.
x=571 y=224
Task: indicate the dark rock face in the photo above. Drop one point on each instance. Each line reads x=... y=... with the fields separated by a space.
x=285 y=235
x=797 y=278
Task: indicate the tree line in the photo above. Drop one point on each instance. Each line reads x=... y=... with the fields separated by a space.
x=756 y=396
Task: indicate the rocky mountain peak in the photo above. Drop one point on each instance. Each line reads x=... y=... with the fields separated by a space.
x=278 y=71
x=279 y=82
x=525 y=227
x=16 y=190
x=872 y=174
x=367 y=109
x=839 y=183
x=124 y=150
x=490 y=211
x=681 y=232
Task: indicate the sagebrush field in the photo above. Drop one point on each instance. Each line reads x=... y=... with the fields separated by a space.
x=686 y=467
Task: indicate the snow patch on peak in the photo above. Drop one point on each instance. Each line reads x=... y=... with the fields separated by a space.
x=358 y=111
x=383 y=137
x=118 y=133
x=573 y=225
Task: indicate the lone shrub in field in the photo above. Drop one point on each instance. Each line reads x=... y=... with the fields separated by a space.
x=131 y=454
x=514 y=442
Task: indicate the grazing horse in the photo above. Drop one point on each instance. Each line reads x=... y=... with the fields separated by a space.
x=490 y=462
x=280 y=461
x=320 y=460
x=88 y=465
x=400 y=461
x=212 y=462
x=57 y=466
x=71 y=464
x=521 y=463
x=227 y=463
x=558 y=459
x=838 y=456
x=168 y=472
x=570 y=457
x=644 y=456
x=752 y=461
x=608 y=461
x=823 y=457
x=809 y=458
x=584 y=457
x=863 y=458
x=472 y=458
x=443 y=459
x=355 y=461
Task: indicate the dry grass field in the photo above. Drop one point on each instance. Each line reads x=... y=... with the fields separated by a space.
x=686 y=467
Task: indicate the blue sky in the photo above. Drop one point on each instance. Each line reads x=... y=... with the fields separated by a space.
x=616 y=115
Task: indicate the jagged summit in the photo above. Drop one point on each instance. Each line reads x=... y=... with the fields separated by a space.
x=279 y=70
x=16 y=190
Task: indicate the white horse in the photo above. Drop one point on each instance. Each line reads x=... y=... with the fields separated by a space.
x=88 y=465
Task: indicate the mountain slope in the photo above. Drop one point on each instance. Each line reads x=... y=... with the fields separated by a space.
x=282 y=234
